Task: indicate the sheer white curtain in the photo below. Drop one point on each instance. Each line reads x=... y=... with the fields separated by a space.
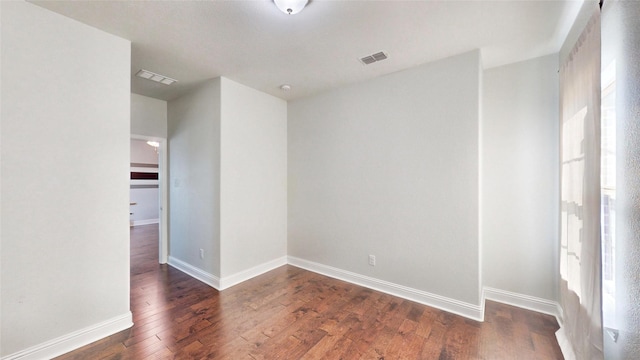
x=580 y=336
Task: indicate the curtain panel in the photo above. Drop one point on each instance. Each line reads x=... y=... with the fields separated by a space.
x=580 y=336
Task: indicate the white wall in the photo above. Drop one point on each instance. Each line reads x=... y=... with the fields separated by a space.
x=520 y=177
x=65 y=155
x=194 y=177
x=228 y=160
x=148 y=116
x=145 y=211
x=253 y=178
x=389 y=167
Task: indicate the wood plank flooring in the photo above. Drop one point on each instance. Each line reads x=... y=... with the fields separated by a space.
x=290 y=313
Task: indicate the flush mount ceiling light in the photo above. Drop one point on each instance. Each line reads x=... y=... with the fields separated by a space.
x=145 y=74
x=154 y=144
x=291 y=7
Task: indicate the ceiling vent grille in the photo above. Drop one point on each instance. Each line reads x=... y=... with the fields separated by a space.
x=146 y=74
x=373 y=58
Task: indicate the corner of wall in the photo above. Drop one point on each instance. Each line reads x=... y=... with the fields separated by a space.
x=194 y=181
x=587 y=9
x=527 y=302
x=470 y=311
x=480 y=183
x=195 y=272
x=242 y=276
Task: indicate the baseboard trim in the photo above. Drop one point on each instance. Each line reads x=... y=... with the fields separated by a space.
x=559 y=314
x=195 y=272
x=145 y=222
x=565 y=345
x=471 y=311
x=522 y=301
x=74 y=340
x=229 y=281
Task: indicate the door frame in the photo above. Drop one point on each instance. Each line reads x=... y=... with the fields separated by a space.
x=163 y=195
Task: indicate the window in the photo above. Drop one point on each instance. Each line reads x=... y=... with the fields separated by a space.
x=608 y=194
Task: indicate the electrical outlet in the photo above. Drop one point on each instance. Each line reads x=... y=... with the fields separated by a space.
x=372 y=260
x=201 y=253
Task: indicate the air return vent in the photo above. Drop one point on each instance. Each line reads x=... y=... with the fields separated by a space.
x=146 y=74
x=373 y=58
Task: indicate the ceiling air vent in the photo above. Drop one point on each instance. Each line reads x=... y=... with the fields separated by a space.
x=373 y=58
x=146 y=74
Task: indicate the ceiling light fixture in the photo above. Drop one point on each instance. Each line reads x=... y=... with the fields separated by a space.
x=146 y=74
x=154 y=144
x=285 y=87
x=291 y=7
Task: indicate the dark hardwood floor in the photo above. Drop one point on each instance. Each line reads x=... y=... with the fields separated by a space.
x=290 y=313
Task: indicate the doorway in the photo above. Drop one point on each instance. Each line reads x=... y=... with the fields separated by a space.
x=149 y=190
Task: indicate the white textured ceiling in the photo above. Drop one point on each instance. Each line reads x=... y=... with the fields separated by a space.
x=253 y=43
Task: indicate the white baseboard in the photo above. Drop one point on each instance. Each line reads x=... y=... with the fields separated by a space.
x=195 y=272
x=229 y=281
x=522 y=301
x=471 y=311
x=74 y=340
x=145 y=222
x=565 y=345
x=559 y=314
